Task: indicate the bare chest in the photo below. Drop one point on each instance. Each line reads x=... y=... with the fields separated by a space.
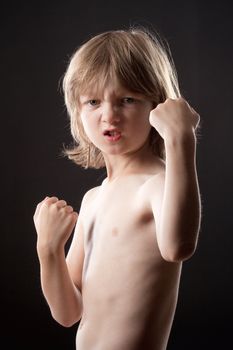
x=119 y=232
x=117 y=212
x=124 y=277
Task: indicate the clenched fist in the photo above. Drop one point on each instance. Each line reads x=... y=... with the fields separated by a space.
x=54 y=221
x=174 y=117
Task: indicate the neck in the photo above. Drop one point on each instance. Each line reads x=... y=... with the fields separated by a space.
x=125 y=164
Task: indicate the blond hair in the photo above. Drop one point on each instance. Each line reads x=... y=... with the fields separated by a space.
x=139 y=60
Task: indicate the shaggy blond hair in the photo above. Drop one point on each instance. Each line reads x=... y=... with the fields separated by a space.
x=139 y=60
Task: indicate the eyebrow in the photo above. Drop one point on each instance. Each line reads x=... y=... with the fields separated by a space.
x=120 y=93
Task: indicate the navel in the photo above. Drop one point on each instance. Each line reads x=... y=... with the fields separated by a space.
x=115 y=232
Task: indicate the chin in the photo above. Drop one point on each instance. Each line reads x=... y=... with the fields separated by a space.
x=120 y=148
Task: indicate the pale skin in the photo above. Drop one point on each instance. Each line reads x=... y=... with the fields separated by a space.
x=122 y=271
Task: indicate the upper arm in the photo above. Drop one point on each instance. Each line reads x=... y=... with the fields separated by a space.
x=75 y=256
x=173 y=245
x=156 y=188
x=76 y=253
x=155 y=193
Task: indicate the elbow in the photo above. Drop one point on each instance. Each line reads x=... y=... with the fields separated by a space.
x=179 y=253
x=67 y=322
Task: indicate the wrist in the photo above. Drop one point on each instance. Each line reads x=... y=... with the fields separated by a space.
x=181 y=150
x=49 y=250
x=185 y=138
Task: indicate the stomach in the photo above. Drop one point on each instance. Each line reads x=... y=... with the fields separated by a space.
x=129 y=299
x=127 y=324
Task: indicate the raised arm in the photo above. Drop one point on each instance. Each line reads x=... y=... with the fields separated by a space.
x=177 y=204
x=54 y=222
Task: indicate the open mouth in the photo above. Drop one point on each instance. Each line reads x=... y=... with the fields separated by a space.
x=112 y=135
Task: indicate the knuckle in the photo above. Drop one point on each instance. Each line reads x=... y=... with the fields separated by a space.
x=53 y=207
x=170 y=100
x=39 y=205
x=69 y=208
x=52 y=199
x=179 y=100
x=159 y=105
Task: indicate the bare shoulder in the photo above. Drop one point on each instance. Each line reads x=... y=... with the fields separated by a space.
x=152 y=192
x=89 y=196
x=154 y=183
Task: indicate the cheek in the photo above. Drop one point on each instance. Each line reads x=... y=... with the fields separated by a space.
x=90 y=127
x=141 y=128
x=85 y=128
x=142 y=124
x=86 y=121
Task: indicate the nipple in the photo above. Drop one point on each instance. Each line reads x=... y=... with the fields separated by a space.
x=115 y=232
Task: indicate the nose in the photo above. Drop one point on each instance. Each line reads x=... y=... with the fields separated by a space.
x=110 y=113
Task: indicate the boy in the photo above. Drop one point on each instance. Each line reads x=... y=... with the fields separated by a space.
x=122 y=271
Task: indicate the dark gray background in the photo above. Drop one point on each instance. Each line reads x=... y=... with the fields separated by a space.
x=37 y=39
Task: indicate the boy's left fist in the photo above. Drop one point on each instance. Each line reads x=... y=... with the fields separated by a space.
x=174 y=117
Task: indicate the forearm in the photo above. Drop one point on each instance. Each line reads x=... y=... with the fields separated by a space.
x=181 y=207
x=63 y=298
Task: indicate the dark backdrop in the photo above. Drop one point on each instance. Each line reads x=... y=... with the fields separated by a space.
x=37 y=39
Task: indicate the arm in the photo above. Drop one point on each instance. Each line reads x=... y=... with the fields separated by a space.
x=54 y=223
x=177 y=207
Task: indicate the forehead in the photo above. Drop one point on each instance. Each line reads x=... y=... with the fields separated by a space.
x=112 y=88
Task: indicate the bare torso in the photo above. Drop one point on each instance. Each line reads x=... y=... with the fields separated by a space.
x=129 y=292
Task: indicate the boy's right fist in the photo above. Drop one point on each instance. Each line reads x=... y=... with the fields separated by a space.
x=54 y=222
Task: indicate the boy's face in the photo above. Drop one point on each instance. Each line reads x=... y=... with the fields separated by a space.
x=116 y=121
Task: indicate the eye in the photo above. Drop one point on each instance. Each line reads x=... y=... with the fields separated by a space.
x=93 y=103
x=128 y=100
